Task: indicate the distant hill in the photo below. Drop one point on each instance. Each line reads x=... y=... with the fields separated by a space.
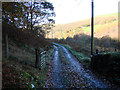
x=105 y=25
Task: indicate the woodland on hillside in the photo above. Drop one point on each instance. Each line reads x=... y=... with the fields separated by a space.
x=27 y=22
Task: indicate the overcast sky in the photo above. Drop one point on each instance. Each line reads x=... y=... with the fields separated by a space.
x=74 y=10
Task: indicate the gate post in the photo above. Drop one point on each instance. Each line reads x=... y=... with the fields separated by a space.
x=37 y=57
x=40 y=61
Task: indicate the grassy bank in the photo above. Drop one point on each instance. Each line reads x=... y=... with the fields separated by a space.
x=19 y=69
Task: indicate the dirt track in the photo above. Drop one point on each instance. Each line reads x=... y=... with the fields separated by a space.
x=72 y=74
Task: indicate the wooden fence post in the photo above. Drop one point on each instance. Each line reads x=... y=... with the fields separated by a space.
x=37 y=57
x=45 y=59
x=40 y=61
x=97 y=51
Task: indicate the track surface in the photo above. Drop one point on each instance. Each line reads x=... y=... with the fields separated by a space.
x=72 y=74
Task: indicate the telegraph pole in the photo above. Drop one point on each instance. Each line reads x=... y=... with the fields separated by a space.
x=92 y=29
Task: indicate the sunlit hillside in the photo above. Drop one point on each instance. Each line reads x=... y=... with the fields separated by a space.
x=104 y=25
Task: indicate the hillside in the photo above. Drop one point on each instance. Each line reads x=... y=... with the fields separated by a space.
x=104 y=25
x=19 y=64
x=77 y=34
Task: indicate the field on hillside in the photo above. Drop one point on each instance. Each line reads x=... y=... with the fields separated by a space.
x=77 y=34
x=104 y=25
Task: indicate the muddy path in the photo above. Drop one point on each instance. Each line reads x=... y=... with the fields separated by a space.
x=68 y=72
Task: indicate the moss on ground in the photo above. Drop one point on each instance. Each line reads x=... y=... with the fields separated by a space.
x=62 y=57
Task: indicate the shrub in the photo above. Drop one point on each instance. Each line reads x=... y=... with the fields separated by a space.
x=106 y=63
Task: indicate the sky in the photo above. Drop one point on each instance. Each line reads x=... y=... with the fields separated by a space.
x=68 y=11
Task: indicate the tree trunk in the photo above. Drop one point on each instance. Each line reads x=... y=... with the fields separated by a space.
x=6 y=41
x=52 y=33
x=27 y=21
x=31 y=16
x=31 y=23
